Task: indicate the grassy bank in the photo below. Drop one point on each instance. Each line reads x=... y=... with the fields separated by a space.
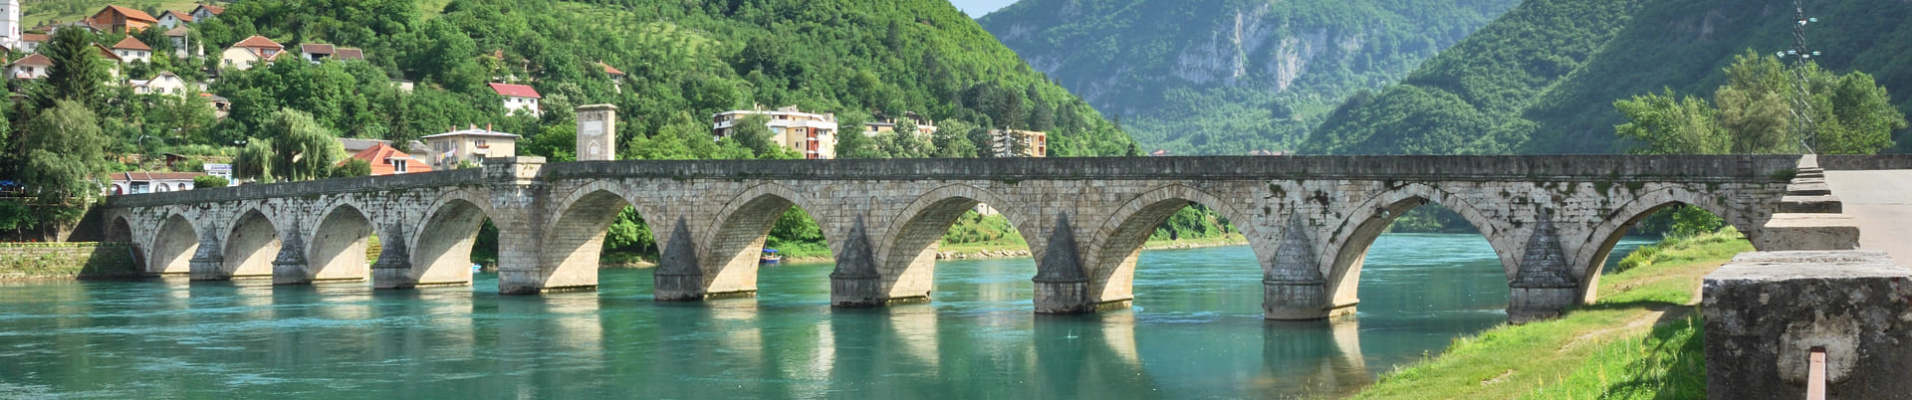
x=1639 y=341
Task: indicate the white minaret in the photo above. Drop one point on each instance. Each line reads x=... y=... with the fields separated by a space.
x=10 y=24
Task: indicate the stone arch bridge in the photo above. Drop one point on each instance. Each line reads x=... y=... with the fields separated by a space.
x=1310 y=220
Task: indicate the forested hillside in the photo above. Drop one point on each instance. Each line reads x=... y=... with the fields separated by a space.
x=1230 y=76
x=1543 y=78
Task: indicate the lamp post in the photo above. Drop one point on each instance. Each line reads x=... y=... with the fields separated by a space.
x=1804 y=128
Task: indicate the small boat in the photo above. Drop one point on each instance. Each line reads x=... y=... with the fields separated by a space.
x=770 y=257
x=475 y=268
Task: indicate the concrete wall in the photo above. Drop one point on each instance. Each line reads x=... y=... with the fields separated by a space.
x=1310 y=220
x=55 y=261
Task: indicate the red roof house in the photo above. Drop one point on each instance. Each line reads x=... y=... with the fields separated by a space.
x=387 y=160
x=122 y=19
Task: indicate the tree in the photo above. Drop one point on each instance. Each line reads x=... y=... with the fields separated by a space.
x=352 y=168
x=78 y=71
x=209 y=182
x=65 y=153
x=1757 y=106
x=302 y=150
x=753 y=132
x=1670 y=124
x=254 y=161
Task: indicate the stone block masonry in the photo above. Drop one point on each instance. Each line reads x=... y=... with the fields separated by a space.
x=1765 y=312
x=1309 y=220
x=64 y=261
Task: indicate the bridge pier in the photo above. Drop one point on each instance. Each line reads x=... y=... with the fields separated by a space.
x=208 y=263
x=1293 y=288
x=855 y=282
x=289 y=267
x=1061 y=286
x=678 y=277
x=1544 y=286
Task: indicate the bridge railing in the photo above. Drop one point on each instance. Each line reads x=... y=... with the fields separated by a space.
x=340 y=185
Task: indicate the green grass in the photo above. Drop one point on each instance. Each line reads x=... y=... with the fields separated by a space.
x=1635 y=342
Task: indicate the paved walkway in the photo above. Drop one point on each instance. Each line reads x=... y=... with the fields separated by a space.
x=1881 y=201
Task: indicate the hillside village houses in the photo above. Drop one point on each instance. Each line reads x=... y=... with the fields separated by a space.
x=206 y=12
x=1019 y=143
x=183 y=46
x=519 y=98
x=173 y=19
x=923 y=126
x=130 y=50
x=119 y=19
x=386 y=160
x=165 y=83
x=31 y=42
x=814 y=135
x=33 y=66
x=251 y=52
x=317 y=52
x=472 y=145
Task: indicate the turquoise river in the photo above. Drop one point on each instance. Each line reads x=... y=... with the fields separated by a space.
x=1195 y=331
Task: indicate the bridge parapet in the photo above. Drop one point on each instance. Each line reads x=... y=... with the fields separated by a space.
x=1766 y=311
x=1309 y=220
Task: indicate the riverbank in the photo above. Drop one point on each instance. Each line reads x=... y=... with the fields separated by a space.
x=1640 y=340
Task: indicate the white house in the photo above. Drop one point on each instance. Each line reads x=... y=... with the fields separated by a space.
x=31 y=42
x=250 y=52
x=316 y=52
x=173 y=19
x=205 y=12
x=130 y=50
x=166 y=83
x=519 y=98
x=33 y=66
x=10 y=23
x=151 y=182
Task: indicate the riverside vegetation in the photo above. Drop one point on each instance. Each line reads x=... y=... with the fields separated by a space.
x=1641 y=340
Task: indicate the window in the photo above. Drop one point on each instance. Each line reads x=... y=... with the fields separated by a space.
x=398 y=166
x=481 y=144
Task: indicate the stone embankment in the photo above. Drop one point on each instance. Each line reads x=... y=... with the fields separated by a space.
x=66 y=261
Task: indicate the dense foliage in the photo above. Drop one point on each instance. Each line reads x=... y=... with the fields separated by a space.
x=1756 y=112
x=1230 y=76
x=1539 y=79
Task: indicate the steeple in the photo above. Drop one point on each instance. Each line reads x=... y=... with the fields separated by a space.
x=10 y=24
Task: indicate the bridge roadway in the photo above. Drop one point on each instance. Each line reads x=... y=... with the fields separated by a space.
x=1551 y=219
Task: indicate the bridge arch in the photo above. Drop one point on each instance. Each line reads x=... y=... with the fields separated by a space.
x=1600 y=241
x=441 y=247
x=250 y=246
x=173 y=247
x=1349 y=242
x=336 y=248
x=1117 y=244
x=574 y=241
x=736 y=238
x=907 y=249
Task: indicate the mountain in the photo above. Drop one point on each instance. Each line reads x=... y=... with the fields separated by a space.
x=1542 y=79
x=1230 y=76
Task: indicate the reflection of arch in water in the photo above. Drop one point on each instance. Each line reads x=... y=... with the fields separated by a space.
x=251 y=247
x=173 y=247
x=735 y=244
x=1075 y=360
x=1371 y=219
x=1118 y=244
x=1322 y=357
x=1603 y=237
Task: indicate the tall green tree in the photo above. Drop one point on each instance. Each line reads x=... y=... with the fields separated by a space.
x=78 y=71
x=65 y=152
x=302 y=150
x=1755 y=112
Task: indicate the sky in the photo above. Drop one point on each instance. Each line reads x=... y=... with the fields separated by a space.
x=978 y=8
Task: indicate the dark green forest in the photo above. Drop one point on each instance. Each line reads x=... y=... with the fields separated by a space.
x=1542 y=78
x=1228 y=76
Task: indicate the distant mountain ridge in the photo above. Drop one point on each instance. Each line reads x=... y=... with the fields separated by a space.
x=1542 y=79
x=1230 y=76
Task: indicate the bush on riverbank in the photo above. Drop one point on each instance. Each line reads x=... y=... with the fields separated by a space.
x=1635 y=342
x=1682 y=250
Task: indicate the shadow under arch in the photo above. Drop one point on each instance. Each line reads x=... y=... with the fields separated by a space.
x=908 y=261
x=336 y=250
x=1604 y=237
x=121 y=231
x=735 y=243
x=1372 y=218
x=1118 y=243
x=173 y=247
x=441 y=248
x=251 y=247
x=574 y=243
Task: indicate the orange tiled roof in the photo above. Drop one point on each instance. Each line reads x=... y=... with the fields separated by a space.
x=380 y=156
x=259 y=42
x=131 y=14
x=36 y=60
x=129 y=43
x=182 y=16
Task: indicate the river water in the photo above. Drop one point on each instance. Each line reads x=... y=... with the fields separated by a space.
x=1195 y=331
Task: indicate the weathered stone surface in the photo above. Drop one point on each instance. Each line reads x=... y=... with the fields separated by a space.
x=1084 y=218
x=1766 y=311
x=1808 y=232
x=1827 y=204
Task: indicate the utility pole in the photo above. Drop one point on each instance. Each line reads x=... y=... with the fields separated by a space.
x=1803 y=127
